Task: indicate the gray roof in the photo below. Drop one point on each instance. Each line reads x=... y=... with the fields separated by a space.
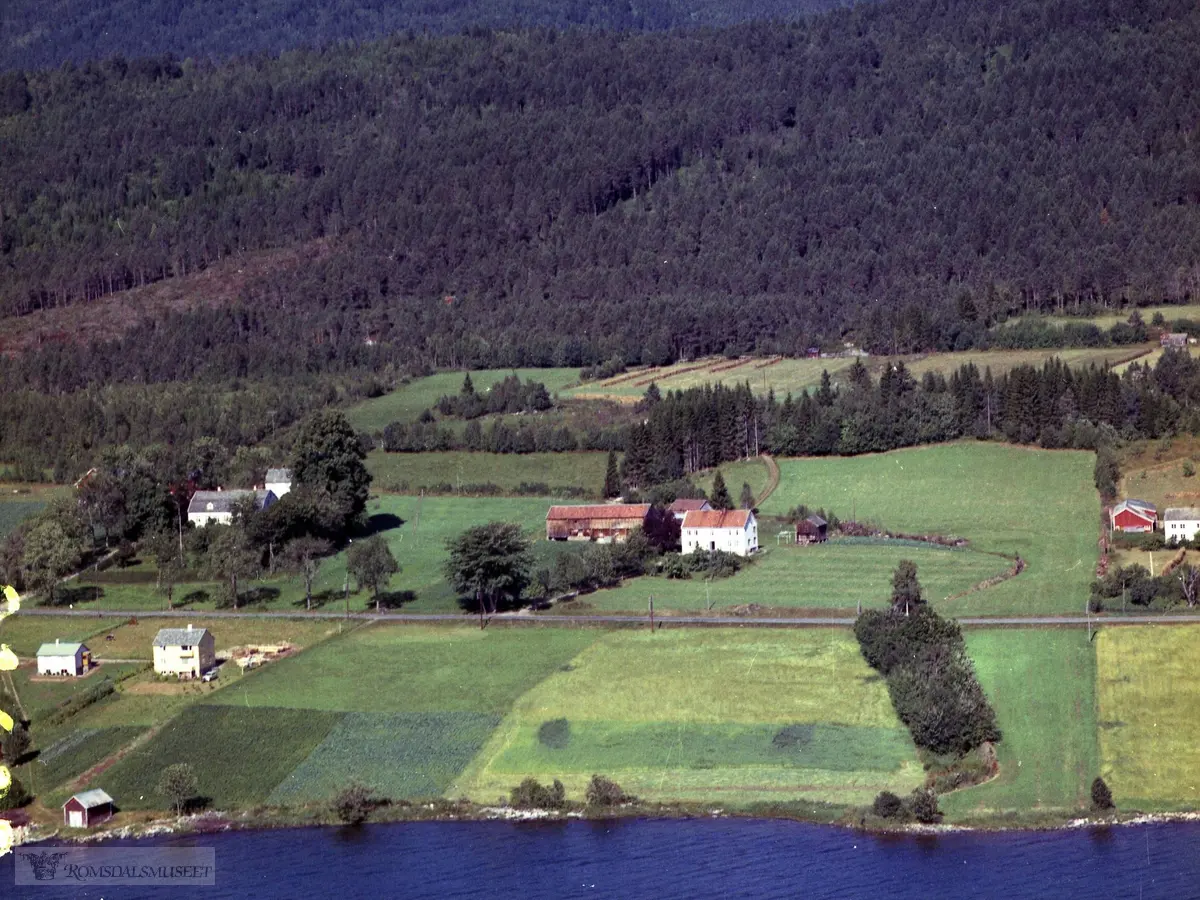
x=59 y=649
x=1138 y=504
x=816 y=520
x=275 y=476
x=1181 y=514
x=91 y=799
x=179 y=637
x=223 y=501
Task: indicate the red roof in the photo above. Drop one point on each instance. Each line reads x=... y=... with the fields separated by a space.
x=717 y=518
x=600 y=511
x=687 y=504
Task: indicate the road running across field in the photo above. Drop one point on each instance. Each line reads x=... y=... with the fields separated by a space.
x=525 y=618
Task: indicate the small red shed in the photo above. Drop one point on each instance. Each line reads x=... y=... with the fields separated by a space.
x=87 y=809
x=1135 y=516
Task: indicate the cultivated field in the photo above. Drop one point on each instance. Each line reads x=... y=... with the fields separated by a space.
x=1162 y=483
x=784 y=376
x=835 y=575
x=1040 y=504
x=1042 y=686
x=19 y=501
x=720 y=716
x=1149 y=715
x=1109 y=319
x=750 y=471
x=414 y=471
x=407 y=402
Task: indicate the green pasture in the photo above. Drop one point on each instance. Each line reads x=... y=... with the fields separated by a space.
x=834 y=575
x=418 y=542
x=581 y=471
x=39 y=695
x=25 y=633
x=408 y=401
x=783 y=376
x=747 y=471
x=722 y=716
x=1109 y=319
x=1042 y=684
x=1149 y=712
x=239 y=755
x=412 y=669
x=398 y=755
x=1038 y=503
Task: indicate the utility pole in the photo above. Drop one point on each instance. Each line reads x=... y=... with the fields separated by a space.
x=652 y=614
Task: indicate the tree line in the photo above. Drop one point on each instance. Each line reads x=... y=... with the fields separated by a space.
x=1055 y=406
x=898 y=171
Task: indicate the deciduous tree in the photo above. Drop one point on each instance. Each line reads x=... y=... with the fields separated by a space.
x=372 y=564
x=490 y=563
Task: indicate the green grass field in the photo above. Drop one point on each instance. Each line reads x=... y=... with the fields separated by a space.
x=830 y=576
x=747 y=471
x=1038 y=503
x=399 y=755
x=1042 y=686
x=14 y=512
x=24 y=634
x=1149 y=713
x=581 y=471
x=1109 y=319
x=722 y=716
x=407 y=402
x=422 y=670
x=239 y=755
x=75 y=753
x=419 y=545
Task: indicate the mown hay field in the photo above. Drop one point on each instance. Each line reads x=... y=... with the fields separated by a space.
x=722 y=716
x=1042 y=685
x=1149 y=715
x=408 y=401
x=1038 y=503
x=834 y=575
x=460 y=469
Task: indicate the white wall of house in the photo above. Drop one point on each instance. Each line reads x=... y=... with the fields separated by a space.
x=1183 y=529
x=278 y=488
x=203 y=517
x=71 y=663
x=191 y=660
x=742 y=541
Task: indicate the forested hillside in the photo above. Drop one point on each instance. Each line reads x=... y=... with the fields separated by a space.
x=45 y=33
x=908 y=172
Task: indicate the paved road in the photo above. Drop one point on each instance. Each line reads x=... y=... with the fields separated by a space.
x=691 y=621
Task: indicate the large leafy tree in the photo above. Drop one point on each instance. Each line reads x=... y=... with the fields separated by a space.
x=328 y=462
x=231 y=559
x=491 y=563
x=372 y=564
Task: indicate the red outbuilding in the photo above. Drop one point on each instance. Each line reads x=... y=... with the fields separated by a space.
x=1134 y=516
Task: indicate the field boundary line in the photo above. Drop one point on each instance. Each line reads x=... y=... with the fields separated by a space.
x=773 y=476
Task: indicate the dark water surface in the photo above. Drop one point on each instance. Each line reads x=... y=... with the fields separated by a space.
x=674 y=859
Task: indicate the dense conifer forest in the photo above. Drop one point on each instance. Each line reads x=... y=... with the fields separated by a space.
x=905 y=172
x=38 y=34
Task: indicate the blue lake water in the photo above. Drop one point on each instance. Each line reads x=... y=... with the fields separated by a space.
x=674 y=859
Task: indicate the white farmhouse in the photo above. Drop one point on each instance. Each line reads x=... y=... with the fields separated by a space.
x=1181 y=523
x=186 y=652
x=279 y=481
x=62 y=658
x=734 y=531
x=217 y=506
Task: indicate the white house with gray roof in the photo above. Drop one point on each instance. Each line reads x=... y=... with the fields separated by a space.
x=217 y=506
x=1181 y=523
x=186 y=652
x=279 y=481
x=63 y=658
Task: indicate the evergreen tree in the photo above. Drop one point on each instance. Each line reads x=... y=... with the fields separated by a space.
x=720 y=493
x=612 y=477
x=468 y=387
x=747 y=498
x=906 y=589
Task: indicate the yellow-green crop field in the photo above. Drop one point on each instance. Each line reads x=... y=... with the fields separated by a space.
x=1149 y=715
x=723 y=716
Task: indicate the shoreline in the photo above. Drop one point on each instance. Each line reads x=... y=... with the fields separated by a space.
x=219 y=822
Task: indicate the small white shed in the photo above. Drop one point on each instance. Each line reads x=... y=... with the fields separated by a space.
x=61 y=658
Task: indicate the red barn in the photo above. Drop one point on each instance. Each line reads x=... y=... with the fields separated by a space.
x=604 y=523
x=1136 y=516
x=87 y=809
